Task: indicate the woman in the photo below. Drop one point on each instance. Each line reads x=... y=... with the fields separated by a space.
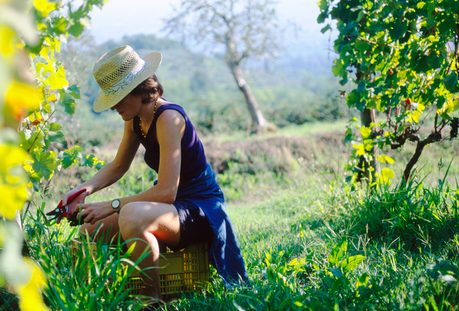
x=186 y=205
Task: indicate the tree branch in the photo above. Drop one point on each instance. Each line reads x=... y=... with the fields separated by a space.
x=434 y=137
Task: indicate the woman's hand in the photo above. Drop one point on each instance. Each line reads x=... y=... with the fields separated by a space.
x=93 y=212
x=72 y=205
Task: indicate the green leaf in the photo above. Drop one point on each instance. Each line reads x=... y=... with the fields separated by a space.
x=45 y=164
x=448 y=267
x=349 y=135
x=323 y=5
x=129 y=251
x=69 y=102
x=74 y=91
x=372 y=103
x=362 y=86
x=47 y=108
x=56 y=137
x=351 y=263
x=60 y=25
x=362 y=104
x=92 y=161
x=362 y=46
x=54 y=127
x=451 y=81
x=99 y=3
x=324 y=30
x=440 y=101
x=444 y=271
x=70 y=156
x=322 y=17
x=337 y=253
x=362 y=281
x=76 y=29
x=354 y=99
x=397 y=30
x=338 y=69
x=337 y=273
x=420 y=5
x=328 y=281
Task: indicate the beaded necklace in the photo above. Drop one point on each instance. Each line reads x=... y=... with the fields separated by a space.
x=144 y=135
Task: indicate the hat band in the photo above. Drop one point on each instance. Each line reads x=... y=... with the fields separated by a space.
x=126 y=80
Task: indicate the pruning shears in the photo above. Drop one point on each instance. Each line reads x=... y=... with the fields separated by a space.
x=62 y=210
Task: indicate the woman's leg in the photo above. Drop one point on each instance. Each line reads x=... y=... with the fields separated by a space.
x=149 y=222
x=106 y=229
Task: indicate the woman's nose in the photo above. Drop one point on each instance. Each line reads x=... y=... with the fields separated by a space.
x=114 y=107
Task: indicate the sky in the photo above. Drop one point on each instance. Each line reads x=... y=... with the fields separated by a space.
x=127 y=17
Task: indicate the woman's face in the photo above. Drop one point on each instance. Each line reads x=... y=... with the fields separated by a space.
x=129 y=107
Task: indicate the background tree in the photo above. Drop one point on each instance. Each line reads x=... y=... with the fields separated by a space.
x=246 y=28
x=405 y=58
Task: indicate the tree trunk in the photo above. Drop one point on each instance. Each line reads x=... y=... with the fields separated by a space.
x=433 y=137
x=259 y=123
x=233 y=59
x=367 y=117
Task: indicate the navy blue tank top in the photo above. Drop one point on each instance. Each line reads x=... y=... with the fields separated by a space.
x=193 y=161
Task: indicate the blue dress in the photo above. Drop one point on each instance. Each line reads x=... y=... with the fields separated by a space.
x=198 y=188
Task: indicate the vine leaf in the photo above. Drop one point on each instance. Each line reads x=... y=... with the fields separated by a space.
x=451 y=81
x=350 y=263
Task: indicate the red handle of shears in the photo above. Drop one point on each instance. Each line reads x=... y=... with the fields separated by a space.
x=71 y=199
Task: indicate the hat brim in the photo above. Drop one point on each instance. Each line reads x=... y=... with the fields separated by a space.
x=102 y=102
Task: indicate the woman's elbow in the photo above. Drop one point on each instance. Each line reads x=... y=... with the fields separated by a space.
x=169 y=198
x=168 y=195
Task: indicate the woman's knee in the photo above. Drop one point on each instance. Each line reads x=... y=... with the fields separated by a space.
x=106 y=229
x=128 y=221
x=141 y=219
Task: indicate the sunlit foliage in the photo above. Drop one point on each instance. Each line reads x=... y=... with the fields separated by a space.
x=32 y=147
x=403 y=58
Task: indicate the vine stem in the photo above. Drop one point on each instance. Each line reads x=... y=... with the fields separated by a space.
x=40 y=130
x=436 y=121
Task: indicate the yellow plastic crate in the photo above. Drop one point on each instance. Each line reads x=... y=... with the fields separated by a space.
x=182 y=271
x=77 y=246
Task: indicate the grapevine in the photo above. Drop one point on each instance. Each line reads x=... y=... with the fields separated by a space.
x=30 y=150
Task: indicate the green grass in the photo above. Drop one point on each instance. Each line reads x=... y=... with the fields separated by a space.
x=311 y=245
x=78 y=278
x=304 y=129
x=309 y=240
x=303 y=252
x=314 y=128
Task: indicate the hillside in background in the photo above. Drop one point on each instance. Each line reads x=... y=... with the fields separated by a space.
x=295 y=88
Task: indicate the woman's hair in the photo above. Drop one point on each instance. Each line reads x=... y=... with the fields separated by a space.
x=149 y=89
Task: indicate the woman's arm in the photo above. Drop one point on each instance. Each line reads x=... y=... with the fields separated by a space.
x=112 y=171
x=170 y=128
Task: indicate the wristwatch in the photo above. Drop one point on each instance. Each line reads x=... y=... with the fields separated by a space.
x=116 y=205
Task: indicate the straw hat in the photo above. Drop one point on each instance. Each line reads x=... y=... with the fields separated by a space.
x=118 y=72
